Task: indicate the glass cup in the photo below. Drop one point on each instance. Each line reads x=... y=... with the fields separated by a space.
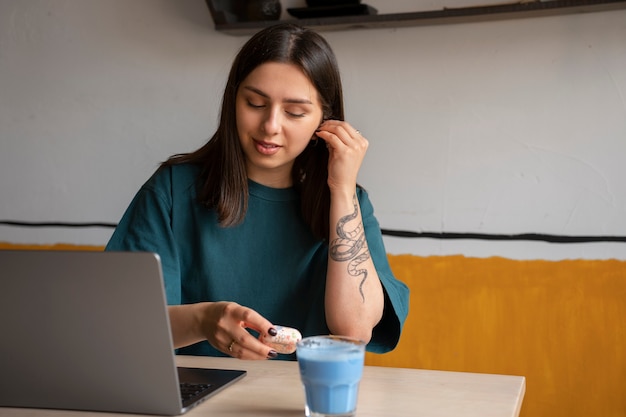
x=330 y=369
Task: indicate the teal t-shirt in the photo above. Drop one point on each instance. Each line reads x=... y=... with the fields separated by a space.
x=271 y=262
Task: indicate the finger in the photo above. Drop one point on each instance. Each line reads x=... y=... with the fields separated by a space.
x=335 y=138
x=252 y=320
x=341 y=134
x=250 y=348
x=245 y=345
x=344 y=144
x=338 y=127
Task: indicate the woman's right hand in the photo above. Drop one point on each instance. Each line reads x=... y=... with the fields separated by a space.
x=224 y=325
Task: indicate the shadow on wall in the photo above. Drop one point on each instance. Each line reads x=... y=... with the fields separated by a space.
x=561 y=324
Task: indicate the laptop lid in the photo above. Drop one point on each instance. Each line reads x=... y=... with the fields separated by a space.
x=90 y=331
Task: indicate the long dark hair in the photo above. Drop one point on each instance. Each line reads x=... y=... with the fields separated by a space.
x=223 y=181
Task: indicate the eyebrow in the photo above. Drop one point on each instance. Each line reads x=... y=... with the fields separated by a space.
x=287 y=100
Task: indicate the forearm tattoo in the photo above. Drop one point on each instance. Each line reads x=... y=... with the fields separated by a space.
x=351 y=246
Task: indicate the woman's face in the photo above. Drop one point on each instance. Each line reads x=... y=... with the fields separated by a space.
x=278 y=111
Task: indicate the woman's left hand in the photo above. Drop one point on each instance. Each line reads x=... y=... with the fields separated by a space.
x=354 y=298
x=347 y=148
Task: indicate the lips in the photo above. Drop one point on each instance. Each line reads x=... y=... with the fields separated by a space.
x=266 y=148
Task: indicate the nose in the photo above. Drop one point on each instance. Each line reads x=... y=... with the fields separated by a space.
x=272 y=121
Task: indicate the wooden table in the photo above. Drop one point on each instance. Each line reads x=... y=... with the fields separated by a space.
x=273 y=389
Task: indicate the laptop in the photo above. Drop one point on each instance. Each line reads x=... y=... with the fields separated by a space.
x=90 y=331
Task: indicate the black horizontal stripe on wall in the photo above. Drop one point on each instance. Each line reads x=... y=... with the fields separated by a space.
x=387 y=232
x=491 y=236
x=57 y=224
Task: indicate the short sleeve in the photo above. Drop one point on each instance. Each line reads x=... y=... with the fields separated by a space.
x=146 y=226
x=387 y=332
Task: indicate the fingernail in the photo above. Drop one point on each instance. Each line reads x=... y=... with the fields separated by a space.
x=272 y=354
x=272 y=331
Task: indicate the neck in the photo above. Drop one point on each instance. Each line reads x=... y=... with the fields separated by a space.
x=271 y=179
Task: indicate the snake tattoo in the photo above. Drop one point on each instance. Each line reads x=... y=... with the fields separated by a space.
x=351 y=246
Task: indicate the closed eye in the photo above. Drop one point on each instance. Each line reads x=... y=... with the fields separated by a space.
x=289 y=113
x=255 y=106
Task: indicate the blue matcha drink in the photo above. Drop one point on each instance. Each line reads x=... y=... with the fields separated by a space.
x=330 y=368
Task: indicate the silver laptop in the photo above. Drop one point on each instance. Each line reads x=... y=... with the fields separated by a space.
x=90 y=331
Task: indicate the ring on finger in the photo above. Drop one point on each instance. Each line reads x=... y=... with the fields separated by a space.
x=230 y=347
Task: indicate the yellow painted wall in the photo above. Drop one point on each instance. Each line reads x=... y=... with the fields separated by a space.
x=54 y=246
x=561 y=324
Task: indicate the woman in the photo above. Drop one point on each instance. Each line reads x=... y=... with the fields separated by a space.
x=265 y=224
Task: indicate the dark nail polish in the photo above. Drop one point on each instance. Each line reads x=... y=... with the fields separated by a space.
x=272 y=354
x=272 y=331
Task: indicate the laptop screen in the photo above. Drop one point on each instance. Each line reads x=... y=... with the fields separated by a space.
x=88 y=331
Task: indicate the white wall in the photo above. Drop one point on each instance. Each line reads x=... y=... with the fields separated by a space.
x=505 y=127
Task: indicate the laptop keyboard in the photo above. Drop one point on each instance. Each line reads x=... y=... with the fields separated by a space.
x=190 y=391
